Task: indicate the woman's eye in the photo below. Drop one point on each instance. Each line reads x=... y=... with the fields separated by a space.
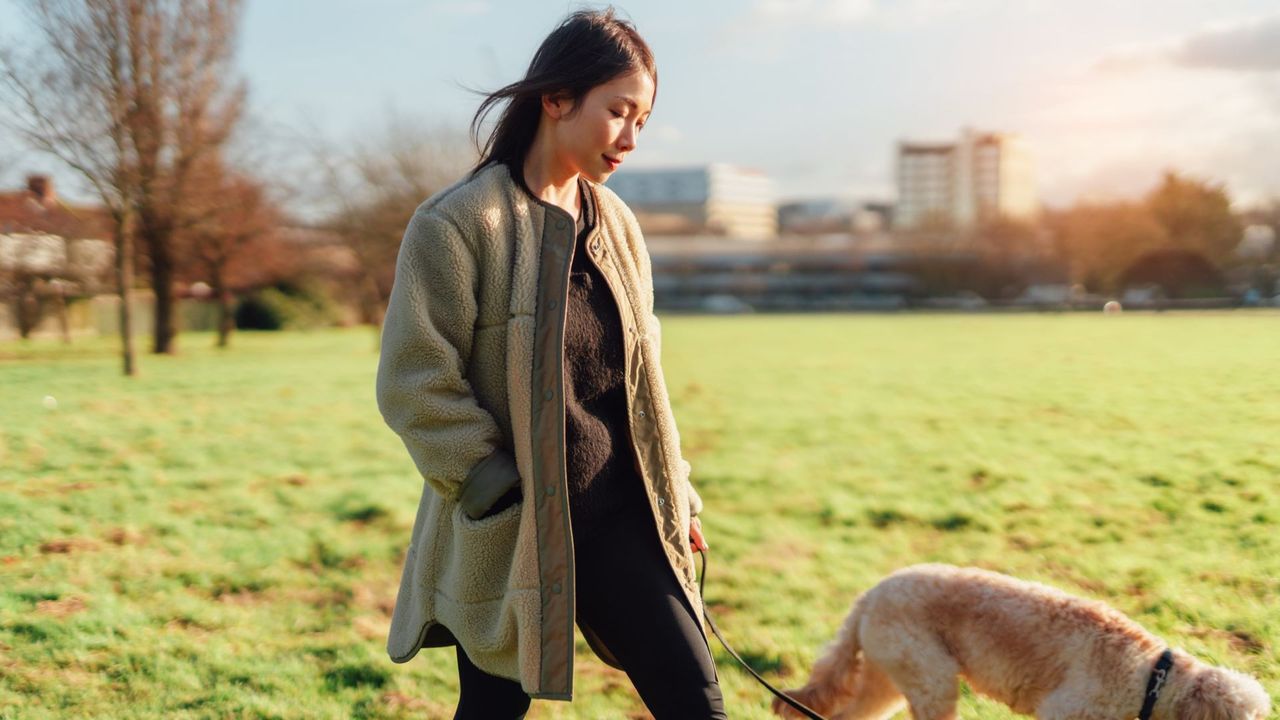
x=616 y=113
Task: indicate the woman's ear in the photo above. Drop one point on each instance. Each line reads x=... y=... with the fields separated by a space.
x=556 y=106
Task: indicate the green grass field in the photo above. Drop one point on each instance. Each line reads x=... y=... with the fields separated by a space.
x=222 y=536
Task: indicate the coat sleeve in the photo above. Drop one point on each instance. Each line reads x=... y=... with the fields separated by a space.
x=422 y=389
x=645 y=267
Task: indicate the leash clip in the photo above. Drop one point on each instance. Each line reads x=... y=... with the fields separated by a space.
x=1161 y=674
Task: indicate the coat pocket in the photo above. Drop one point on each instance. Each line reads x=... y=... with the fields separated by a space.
x=479 y=563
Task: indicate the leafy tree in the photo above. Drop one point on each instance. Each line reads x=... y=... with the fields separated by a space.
x=1098 y=241
x=1196 y=216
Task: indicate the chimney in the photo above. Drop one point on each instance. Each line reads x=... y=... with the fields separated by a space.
x=42 y=187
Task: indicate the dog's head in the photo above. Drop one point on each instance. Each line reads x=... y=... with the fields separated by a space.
x=1215 y=693
x=812 y=697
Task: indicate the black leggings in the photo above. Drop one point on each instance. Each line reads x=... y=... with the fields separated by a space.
x=628 y=595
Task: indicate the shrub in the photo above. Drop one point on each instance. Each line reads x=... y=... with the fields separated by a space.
x=287 y=306
x=255 y=313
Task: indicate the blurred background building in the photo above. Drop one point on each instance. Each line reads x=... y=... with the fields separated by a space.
x=825 y=216
x=980 y=177
x=715 y=199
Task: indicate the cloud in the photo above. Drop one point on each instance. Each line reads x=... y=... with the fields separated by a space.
x=1111 y=134
x=770 y=31
x=770 y=15
x=1244 y=46
x=1205 y=102
x=1248 y=46
x=1125 y=58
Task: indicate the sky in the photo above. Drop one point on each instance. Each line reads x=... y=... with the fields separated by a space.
x=817 y=93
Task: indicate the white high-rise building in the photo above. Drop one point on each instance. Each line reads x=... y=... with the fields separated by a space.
x=714 y=199
x=957 y=185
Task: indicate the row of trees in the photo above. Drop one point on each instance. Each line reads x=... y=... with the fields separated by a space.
x=1104 y=244
x=1182 y=236
x=139 y=98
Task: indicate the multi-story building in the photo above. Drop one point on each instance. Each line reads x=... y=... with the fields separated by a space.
x=981 y=177
x=714 y=199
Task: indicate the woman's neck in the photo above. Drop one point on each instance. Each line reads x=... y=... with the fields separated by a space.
x=549 y=180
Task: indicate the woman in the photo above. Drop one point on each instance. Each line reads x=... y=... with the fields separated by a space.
x=520 y=366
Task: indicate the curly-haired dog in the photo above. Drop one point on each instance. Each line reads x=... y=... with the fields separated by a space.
x=1037 y=649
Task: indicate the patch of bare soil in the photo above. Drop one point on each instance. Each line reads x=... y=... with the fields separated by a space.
x=61 y=607
x=67 y=545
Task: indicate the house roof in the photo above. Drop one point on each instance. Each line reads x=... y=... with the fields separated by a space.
x=22 y=211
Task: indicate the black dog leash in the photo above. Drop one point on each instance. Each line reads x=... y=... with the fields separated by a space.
x=1159 y=676
x=800 y=707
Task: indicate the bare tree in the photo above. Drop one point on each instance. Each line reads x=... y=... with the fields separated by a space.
x=373 y=190
x=132 y=94
x=234 y=212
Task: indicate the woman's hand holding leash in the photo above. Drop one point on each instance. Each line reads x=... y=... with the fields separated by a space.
x=699 y=544
x=696 y=541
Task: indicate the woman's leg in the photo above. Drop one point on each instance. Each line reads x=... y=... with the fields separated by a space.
x=487 y=697
x=628 y=596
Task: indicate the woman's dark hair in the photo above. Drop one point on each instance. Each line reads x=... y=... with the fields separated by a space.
x=590 y=48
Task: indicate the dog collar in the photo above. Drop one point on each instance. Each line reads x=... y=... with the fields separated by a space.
x=1159 y=675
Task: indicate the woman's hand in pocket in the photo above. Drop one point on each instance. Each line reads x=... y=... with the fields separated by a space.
x=509 y=498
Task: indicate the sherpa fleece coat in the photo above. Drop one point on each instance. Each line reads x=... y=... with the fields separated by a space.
x=471 y=378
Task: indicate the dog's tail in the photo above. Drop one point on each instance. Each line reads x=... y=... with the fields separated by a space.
x=835 y=676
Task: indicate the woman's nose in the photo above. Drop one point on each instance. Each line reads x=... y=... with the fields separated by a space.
x=627 y=141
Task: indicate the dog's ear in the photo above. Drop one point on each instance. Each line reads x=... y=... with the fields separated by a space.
x=1199 y=702
x=1220 y=694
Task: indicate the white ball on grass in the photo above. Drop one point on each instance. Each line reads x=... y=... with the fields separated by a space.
x=1112 y=307
x=50 y=402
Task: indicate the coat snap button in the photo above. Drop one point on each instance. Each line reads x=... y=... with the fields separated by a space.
x=551 y=304
x=641 y=412
x=547 y=395
x=661 y=502
x=551 y=489
x=559 y=224
x=555 y=588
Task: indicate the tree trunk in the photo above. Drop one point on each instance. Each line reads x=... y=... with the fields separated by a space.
x=226 y=317
x=165 y=338
x=64 y=323
x=28 y=307
x=20 y=314
x=375 y=309
x=124 y=281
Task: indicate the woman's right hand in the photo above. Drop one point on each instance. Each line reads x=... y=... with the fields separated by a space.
x=696 y=541
x=509 y=498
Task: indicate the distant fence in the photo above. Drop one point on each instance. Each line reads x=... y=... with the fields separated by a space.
x=100 y=315
x=778 y=302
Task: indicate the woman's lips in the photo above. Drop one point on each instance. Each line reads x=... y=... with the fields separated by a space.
x=613 y=164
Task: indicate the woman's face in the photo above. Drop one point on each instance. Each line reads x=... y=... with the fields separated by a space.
x=596 y=138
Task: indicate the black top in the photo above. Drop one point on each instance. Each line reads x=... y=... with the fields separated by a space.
x=602 y=471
